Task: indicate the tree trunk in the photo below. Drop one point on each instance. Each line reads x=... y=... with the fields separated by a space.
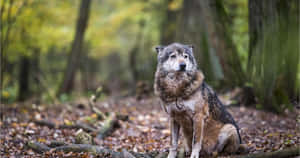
x=216 y=26
x=204 y=23
x=36 y=74
x=191 y=31
x=273 y=58
x=24 y=72
x=133 y=67
x=261 y=14
x=73 y=61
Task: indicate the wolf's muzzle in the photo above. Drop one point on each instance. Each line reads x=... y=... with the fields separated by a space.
x=182 y=66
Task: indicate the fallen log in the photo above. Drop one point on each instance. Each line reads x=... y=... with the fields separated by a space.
x=285 y=153
x=92 y=149
x=38 y=147
x=50 y=124
x=55 y=143
x=44 y=123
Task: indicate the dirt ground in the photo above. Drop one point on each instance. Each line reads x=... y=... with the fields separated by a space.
x=146 y=130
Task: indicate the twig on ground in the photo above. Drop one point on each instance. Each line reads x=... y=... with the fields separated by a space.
x=92 y=102
x=110 y=125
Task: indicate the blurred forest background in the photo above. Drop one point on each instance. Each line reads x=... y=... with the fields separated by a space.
x=57 y=50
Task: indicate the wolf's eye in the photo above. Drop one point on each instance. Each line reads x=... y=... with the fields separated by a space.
x=173 y=56
x=185 y=56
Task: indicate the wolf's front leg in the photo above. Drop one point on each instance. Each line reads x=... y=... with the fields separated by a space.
x=174 y=138
x=198 y=134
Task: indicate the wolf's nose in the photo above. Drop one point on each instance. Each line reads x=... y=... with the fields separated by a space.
x=182 y=66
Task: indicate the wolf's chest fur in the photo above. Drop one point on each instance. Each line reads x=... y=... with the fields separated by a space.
x=185 y=106
x=183 y=110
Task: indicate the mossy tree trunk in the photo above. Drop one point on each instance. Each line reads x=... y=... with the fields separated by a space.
x=273 y=59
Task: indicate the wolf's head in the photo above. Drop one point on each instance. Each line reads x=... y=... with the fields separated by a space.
x=176 y=57
x=176 y=74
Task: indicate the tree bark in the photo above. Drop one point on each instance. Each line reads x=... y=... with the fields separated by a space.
x=204 y=23
x=191 y=31
x=216 y=26
x=73 y=61
x=266 y=15
x=273 y=43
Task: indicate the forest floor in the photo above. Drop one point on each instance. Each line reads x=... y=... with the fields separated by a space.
x=146 y=130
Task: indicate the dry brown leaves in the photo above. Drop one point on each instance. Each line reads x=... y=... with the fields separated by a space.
x=147 y=128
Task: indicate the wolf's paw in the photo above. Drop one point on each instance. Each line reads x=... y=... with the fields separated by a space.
x=172 y=154
x=195 y=154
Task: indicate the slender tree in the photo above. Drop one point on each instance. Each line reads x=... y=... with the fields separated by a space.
x=76 y=50
x=24 y=72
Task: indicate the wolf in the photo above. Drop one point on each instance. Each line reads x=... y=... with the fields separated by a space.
x=193 y=107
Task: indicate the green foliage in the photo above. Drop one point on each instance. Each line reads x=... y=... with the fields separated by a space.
x=9 y=94
x=65 y=98
x=38 y=24
x=47 y=28
x=43 y=30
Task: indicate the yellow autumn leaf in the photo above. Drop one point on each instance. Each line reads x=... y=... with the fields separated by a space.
x=41 y=140
x=175 y=5
x=68 y=122
x=14 y=125
x=94 y=116
x=5 y=94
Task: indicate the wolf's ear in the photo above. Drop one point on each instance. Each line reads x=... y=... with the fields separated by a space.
x=159 y=48
x=191 y=47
